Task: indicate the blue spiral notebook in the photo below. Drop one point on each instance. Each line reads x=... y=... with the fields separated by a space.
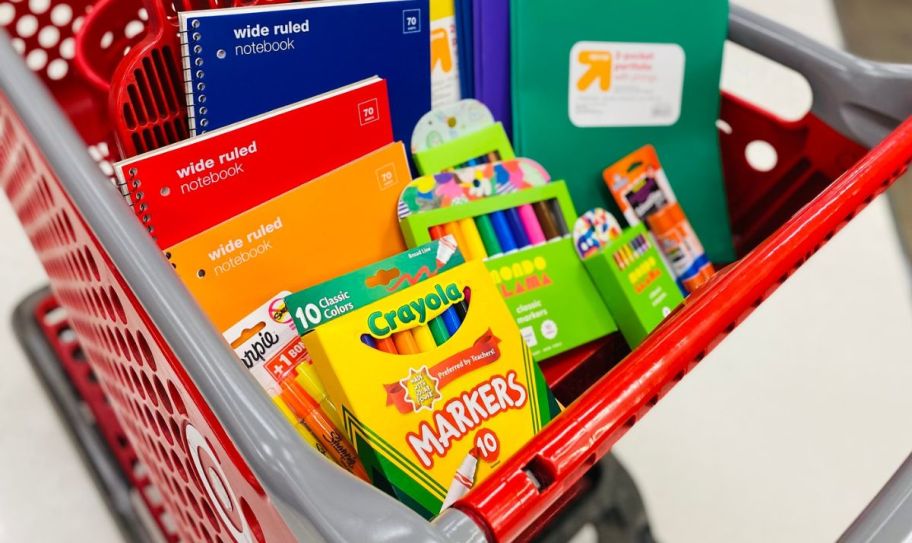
x=241 y=62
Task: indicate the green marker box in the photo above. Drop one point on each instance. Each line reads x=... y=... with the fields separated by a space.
x=491 y=139
x=546 y=286
x=634 y=283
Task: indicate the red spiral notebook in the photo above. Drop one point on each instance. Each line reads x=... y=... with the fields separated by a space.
x=183 y=189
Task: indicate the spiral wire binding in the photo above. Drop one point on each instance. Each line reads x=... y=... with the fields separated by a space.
x=134 y=198
x=124 y=186
x=195 y=115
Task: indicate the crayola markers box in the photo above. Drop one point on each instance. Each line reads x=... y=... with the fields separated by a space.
x=634 y=283
x=546 y=287
x=427 y=426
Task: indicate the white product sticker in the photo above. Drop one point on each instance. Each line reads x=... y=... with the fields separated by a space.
x=444 y=63
x=625 y=84
x=268 y=344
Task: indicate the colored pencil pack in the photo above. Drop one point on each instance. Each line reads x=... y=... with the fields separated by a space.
x=181 y=190
x=430 y=425
x=460 y=134
x=267 y=343
x=282 y=53
x=634 y=283
x=510 y=216
x=285 y=243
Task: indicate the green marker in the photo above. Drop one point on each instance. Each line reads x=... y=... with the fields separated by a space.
x=488 y=237
x=439 y=331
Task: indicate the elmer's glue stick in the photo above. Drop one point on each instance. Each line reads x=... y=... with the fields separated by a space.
x=680 y=244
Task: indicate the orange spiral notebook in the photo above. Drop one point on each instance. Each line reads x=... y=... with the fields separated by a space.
x=332 y=225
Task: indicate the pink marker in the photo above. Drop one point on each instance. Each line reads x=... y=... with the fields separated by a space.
x=531 y=225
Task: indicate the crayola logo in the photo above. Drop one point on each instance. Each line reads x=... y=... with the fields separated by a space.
x=382 y=324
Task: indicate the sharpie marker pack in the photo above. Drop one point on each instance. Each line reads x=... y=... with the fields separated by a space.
x=431 y=424
x=267 y=343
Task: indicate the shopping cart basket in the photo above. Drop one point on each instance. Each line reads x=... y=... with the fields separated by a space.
x=227 y=464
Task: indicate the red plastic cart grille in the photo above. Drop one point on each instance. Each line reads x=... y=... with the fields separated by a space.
x=43 y=32
x=147 y=102
x=809 y=156
x=534 y=479
x=53 y=321
x=206 y=487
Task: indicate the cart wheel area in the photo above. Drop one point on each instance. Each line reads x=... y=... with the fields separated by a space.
x=45 y=334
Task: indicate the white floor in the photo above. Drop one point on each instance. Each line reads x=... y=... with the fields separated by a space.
x=46 y=493
x=782 y=434
x=789 y=428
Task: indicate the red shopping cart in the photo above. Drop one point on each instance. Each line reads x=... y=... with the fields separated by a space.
x=228 y=466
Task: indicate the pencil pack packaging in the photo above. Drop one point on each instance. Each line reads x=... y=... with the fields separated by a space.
x=628 y=272
x=510 y=216
x=642 y=192
x=297 y=239
x=459 y=134
x=267 y=343
x=429 y=419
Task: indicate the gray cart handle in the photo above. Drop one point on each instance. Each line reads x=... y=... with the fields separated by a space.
x=861 y=99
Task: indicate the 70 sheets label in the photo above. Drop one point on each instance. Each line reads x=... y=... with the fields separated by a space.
x=411 y=21
x=369 y=111
x=625 y=84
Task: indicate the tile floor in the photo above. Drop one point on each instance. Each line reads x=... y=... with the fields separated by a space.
x=782 y=434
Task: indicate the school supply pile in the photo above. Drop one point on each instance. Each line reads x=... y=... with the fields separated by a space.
x=398 y=320
x=578 y=86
